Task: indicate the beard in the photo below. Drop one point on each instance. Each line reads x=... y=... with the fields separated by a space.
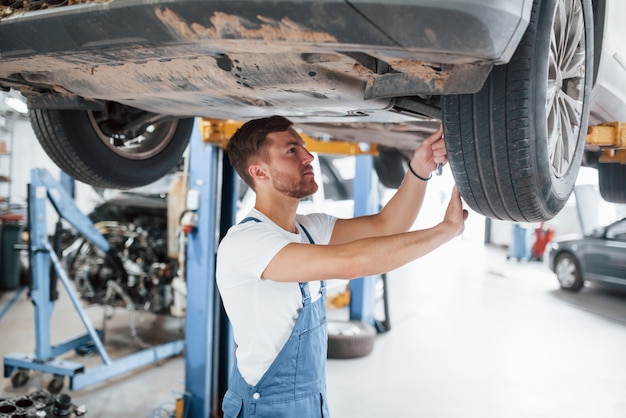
x=293 y=187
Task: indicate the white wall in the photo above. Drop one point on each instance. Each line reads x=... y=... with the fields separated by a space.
x=26 y=154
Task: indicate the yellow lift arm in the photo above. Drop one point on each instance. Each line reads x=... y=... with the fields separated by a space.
x=611 y=138
x=219 y=131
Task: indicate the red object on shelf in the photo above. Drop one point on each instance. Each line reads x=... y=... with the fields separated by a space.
x=11 y=217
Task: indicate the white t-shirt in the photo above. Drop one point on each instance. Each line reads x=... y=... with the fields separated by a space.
x=263 y=312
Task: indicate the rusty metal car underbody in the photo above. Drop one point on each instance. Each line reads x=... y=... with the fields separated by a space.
x=375 y=72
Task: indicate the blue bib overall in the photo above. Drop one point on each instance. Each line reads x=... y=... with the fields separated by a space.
x=295 y=384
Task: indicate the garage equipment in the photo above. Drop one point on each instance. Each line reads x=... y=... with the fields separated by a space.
x=366 y=202
x=41 y=404
x=16 y=295
x=520 y=248
x=543 y=236
x=45 y=357
x=207 y=334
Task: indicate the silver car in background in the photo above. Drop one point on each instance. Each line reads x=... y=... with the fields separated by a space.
x=599 y=257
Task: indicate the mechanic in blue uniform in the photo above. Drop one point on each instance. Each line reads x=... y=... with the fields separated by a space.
x=272 y=266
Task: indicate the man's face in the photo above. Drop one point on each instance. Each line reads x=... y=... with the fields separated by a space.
x=289 y=165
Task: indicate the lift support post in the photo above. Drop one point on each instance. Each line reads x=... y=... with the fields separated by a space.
x=366 y=202
x=207 y=352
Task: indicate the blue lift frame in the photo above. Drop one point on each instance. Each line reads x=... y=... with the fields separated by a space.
x=44 y=187
x=199 y=272
x=208 y=336
x=366 y=202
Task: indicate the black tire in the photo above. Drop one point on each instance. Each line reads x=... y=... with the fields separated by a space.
x=611 y=179
x=56 y=384
x=390 y=167
x=350 y=339
x=507 y=151
x=20 y=378
x=74 y=140
x=568 y=272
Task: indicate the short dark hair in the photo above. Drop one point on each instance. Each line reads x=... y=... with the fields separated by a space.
x=250 y=140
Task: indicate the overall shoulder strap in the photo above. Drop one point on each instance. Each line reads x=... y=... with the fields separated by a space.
x=307 y=234
x=322 y=283
x=248 y=219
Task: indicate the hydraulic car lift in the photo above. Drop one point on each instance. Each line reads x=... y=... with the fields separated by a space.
x=209 y=348
x=208 y=341
x=44 y=359
x=366 y=202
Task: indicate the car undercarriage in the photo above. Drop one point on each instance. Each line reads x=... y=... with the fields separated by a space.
x=126 y=78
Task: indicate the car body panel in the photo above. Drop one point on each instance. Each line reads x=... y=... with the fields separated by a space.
x=362 y=71
x=601 y=255
x=245 y=59
x=489 y=29
x=200 y=58
x=340 y=68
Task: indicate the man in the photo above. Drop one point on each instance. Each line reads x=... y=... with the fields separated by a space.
x=271 y=267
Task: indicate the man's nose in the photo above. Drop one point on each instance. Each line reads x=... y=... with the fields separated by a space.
x=308 y=157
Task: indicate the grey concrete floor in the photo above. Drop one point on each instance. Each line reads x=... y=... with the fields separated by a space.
x=472 y=335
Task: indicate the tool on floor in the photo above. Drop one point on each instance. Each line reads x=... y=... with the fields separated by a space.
x=41 y=404
x=45 y=358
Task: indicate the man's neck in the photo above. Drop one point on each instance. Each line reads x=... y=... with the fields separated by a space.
x=279 y=209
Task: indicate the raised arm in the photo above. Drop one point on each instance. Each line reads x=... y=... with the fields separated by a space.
x=400 y=212
x=367 y=256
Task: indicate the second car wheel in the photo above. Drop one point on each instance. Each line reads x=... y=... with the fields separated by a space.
x=350 y=339
x=516 y=146
x=390 y=167
x=99 y=148
x=568 y=272
x=611 y=181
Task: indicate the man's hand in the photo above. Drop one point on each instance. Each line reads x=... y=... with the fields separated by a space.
x=431 y=151
x=455 y=215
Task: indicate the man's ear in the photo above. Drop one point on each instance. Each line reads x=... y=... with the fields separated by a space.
x=257 y=172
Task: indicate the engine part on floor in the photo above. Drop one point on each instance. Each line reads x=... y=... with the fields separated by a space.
x=142 y=279
x=41 y=404
x=43 y=257
x=350 y=339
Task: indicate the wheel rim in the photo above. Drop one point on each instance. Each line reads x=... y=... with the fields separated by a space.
x=148 y=144
x=566 y=84
x=566 y=272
